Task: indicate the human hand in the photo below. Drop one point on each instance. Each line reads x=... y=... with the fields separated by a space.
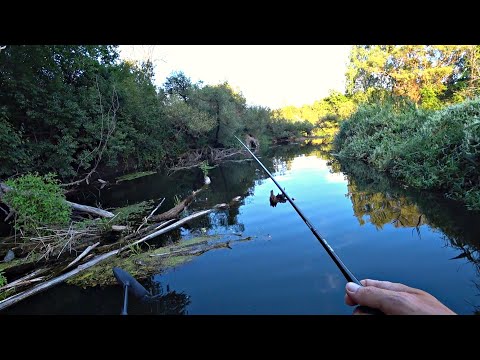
x=393 y=299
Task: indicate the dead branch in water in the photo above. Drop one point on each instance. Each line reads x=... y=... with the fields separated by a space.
x=59 y=240
x=145 y=220
x=91 y=210
x=193 y=158
x=82 y=255
x=176 y=210
x=48 y=284
x=23 y=279
x=176 y=225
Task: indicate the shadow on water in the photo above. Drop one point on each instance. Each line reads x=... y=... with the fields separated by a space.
x=77 y=301
x=263 y=276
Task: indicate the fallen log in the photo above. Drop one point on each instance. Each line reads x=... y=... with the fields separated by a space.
x=176 y=210
x=91 y=210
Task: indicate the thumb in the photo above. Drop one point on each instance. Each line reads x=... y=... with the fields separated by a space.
x=373 y=297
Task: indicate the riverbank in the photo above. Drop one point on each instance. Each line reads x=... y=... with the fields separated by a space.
x=429 y=150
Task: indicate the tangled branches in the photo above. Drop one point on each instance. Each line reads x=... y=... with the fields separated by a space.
x=193 y=158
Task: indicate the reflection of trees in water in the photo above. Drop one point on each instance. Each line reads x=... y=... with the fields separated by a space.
x=382 y=208
x=384 y=201
x=282 y=156
x=166 y=302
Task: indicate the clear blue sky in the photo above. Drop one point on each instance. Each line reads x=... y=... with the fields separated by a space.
x=268 y=75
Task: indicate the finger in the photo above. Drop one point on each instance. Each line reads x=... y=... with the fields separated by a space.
x=349 y=301
x=387 y=285
x=387 y=301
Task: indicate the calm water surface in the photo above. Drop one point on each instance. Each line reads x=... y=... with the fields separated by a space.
x=379 y=229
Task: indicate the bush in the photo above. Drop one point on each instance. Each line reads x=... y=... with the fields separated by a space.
x=435 y=150
x=38 y=201
x=375 y=131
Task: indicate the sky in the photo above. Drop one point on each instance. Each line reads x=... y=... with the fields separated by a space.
x=267 y=75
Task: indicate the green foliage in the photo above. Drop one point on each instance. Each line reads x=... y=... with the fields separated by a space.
x=425 y=74
x=436 y=150
x=176 y=200
x=178 y=84
x=68 y=108
x=38 y=201
x=324 y=116
x=132 y=211
x=227 y=107
x=205 y=167
x=49 y=98
x=3 y=279
x=11 y=161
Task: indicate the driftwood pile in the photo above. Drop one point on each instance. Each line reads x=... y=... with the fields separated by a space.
x=93 y=251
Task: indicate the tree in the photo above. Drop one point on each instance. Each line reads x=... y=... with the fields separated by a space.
x=178 y=84
x=49 y=99
x=226 y=106
x=419 y=72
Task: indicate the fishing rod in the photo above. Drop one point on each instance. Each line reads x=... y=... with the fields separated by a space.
x=347 y=273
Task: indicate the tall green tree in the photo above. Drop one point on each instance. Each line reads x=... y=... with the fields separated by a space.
x=226 y=107
x=178 y=84
x=419 y=72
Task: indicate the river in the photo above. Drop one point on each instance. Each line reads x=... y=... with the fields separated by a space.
x=378 y=228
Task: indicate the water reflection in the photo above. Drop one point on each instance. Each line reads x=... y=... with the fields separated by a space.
x=379 y=200
x=166 y=301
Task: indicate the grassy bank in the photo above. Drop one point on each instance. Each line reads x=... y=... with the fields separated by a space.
x=433 y=150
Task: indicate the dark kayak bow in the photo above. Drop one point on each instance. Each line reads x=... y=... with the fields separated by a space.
x=130 y=284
